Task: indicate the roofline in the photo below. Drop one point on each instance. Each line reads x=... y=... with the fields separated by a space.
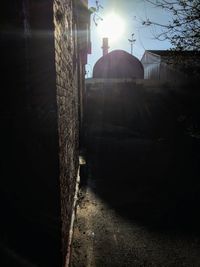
x=148 y=51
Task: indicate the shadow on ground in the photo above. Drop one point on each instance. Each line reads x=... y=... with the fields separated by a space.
x=140 y=187
x=154 y=182
x=145 y=164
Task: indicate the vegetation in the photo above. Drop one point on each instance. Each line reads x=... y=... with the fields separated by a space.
x=95 y=12
x=183 y=31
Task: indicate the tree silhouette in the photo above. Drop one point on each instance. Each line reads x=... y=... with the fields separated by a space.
x=183 y=31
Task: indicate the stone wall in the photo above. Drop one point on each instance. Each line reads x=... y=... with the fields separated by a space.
x=67 y=99
x=39 y=130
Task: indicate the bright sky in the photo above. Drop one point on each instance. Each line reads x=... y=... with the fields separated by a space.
x=123 y=13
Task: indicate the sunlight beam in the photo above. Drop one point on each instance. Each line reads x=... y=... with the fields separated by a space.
x=112 y=27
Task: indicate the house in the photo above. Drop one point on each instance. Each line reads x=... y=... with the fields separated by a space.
x=166 y=65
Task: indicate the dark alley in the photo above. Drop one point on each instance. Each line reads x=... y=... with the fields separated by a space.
x=100 y=133
x=139 y=199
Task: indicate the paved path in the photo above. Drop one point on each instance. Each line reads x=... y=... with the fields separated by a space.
x=139 y=206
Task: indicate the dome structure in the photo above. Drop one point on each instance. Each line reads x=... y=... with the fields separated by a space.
x=118 y=64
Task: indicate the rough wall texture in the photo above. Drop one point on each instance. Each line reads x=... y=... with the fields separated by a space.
x=39 y=131
x=67 y=99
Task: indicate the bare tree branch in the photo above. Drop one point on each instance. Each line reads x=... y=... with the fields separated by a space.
x=183 y=31
x=95 y=10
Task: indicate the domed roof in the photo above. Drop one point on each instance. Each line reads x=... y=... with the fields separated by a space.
x=118 y=64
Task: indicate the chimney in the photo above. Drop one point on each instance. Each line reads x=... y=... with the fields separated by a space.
x=105 y=46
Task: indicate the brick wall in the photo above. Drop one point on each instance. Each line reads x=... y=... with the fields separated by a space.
x=67 y=99
x=39 y=100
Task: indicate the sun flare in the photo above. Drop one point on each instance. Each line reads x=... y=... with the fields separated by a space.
x=112 y=27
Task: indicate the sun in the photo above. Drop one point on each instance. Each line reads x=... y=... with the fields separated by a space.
x=112 y=27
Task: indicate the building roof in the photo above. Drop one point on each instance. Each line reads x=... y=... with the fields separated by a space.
x=184 y=61
x=118 y=64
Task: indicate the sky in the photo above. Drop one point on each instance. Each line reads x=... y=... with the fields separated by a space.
x=131 y=12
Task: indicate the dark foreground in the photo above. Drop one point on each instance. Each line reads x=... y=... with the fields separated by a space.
x=139 y=199
x=139 y=205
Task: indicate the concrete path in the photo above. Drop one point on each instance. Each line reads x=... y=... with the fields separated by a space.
x=139 y=205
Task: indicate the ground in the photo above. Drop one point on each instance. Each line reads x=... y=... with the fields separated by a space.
x=139 y=200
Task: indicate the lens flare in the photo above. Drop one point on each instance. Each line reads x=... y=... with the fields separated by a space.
x=112 y=27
